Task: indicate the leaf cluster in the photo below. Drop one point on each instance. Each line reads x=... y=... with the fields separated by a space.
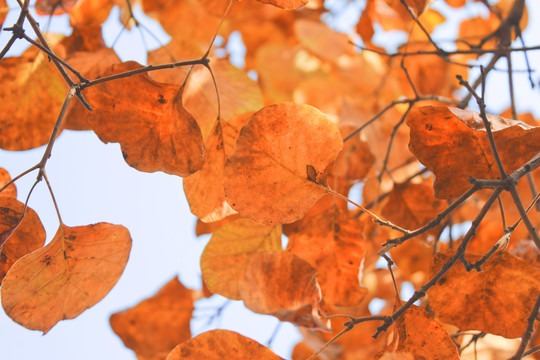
x=284 y=156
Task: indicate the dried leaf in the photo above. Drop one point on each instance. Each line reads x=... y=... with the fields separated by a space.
x=332 y=243
x=221 y=344
x=422 y=336
x=204 y=189
x=237 y=92
x=35 y=93
x=17 y=238
x=279 y=168
x=149 y=121
x=54 y=7
x=11 y=190
x=412 y=206
x=72 y=273
x=497 y=300
x=4 y=9
x=286 y=4
x=156 y=325
x=229 y=251
x=453 y=144
x=321 y=40
x=280 y=283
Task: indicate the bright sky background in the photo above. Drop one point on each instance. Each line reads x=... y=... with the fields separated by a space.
x=92 y=183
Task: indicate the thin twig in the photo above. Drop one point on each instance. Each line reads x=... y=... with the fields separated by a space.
x=460 y=252
x=528 y=331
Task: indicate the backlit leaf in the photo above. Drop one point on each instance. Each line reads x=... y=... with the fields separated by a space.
x=221 y=344
x=156 y=325
x=453 y=144
x=149 y=121
x=412 y=205
x=229 y=251
x=286 y=4
x=34 y=93
x=279 y=168
x=237 y=92
x=11 y=190
x=72 y=273
x=497 y=300
x=85 y=51
x=17 y=238
x=422 y=336
x=204 y=189
x=4 y=9
x=280 y=283
x=333 y=244
x=54 y=7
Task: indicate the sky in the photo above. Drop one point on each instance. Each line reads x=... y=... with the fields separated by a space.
x=92 y=183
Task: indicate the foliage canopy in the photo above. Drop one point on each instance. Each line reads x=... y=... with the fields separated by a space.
x=277 y=157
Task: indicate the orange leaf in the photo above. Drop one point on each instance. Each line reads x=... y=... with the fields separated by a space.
x=279 y=168
x=72 y=273
x=26 y=119
x=286 y=4
x=54 y=7
x=453 y=144
x=204 y=189
x=202 y=228
x=332 y=242
x=85 y=51
x=321 y=40
x=418 y=5
x=423 y=337
x=11 y=190
x=412 y=205
x=237 y=92
x=497 y=300
x=157 y=133
x=280 y=283
x=156 y=325
x=91 y=12
x=177 y=16
x=226 y=256
x=4 y=9
x=17 y=238
x=221 y=344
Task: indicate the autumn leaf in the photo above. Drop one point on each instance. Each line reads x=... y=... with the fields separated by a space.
x=497 y=300
x=412 y=205
x=177 y=16
x=418 y=5
x=157 y=134
x=202 y=228
x=321 y=40
x=285 y=4
x=36 y=92
x=453 y=144
x=280 y=283
x=156 y=325
x=423 y=337
x=238 y=94
x=204 y=189
x=279 y=168
x=54 y=7
x=221 y=344
x=69 y=275
x=333 y=244
x=11 y=190
x=18 y=235
x=85 y=51
x=229 y=251
x=4 y=9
